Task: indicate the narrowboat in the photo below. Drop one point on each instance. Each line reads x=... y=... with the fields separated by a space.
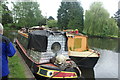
x=79 y=51
x=46 y=54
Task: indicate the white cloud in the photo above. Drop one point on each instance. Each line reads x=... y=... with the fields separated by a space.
x=110 y=5
x=50 y=7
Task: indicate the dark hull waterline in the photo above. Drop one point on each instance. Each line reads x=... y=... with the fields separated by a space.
x=85 y=62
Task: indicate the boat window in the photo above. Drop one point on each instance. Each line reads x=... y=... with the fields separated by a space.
x=77 y=43
x=55 y=47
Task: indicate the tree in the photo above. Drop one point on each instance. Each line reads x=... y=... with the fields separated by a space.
x=98 y=23
x=117 y=17
x=51 y=18
x=42 y=21
x=0 y=11
x=63 y=18
x=52 y=23
x=112 y=27
x=70 y=15
x=76 y=16
x=6 y=15
x=27 y=14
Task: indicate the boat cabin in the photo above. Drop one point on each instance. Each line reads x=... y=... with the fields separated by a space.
x=42 y=45
x=77 y=42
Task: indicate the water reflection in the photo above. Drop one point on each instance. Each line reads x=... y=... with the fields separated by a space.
x=104 y=43
x=119 y=45
x=87 y=73
x=107 y=65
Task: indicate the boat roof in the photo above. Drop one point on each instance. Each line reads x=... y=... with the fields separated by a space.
x=46 y=33
x=40 y=32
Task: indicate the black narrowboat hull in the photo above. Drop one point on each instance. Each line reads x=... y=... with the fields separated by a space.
x=85 y=62
x=35 y=67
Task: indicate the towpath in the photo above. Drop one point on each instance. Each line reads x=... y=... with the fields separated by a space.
x=19 y=69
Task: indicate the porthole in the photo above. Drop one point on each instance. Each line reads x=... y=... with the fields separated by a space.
x=56 y=46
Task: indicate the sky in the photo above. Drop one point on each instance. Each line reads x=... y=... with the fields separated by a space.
x=50 y=7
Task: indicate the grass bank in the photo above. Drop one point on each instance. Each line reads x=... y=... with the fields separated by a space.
x=17 y=69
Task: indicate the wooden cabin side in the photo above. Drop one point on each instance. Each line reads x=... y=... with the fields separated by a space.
x=77 y=43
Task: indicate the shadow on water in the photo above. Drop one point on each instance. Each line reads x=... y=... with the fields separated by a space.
x=107 y=65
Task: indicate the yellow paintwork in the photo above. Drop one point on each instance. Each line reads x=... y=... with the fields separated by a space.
x=55 y=71
x=77 y=41
x=23 y=34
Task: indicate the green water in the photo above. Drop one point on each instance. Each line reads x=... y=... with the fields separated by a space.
x=104 y=43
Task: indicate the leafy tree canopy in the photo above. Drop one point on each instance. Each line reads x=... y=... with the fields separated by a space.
x=117 y=17
x=5 y=14
x=27 y=14
x=52 y=23
x=51 y=18
x=70 y=15
x=97 y=21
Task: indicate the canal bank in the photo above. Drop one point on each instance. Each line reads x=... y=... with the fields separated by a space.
x=18 y=68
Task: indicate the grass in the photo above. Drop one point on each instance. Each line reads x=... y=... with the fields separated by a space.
x=17 y=69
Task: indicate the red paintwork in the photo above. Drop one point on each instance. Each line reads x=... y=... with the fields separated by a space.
x=62 y=74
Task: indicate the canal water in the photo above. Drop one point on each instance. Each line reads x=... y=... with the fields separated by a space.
x=107 y=65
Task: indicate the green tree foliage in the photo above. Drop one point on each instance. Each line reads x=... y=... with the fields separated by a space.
x=42 y=21
x=70 y=15
x=112 y=29
x=27 y=14
x=5 y=14
x=0 y=12
x=117 y=17
x=52 y=23
x=51 y=18
x=97 y=21
x=63 y=17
